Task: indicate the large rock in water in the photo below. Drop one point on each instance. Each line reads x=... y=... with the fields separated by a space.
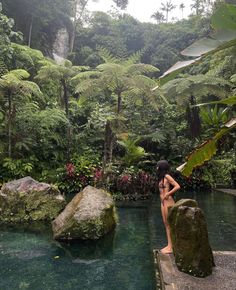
x=191 y=248
x=90 y=215
x=26 y=200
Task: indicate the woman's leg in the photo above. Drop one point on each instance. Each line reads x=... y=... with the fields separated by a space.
x=164 y=211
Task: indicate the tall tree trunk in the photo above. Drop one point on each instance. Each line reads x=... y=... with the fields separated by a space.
x=10 y=125
x=76 y=20
x=65 y=97
x=69 y=129
x=193 y=118
x=30 y=31
x=108 y=146
x=119 y=103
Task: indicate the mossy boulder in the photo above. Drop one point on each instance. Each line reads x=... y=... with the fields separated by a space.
x=191 y=248
x=90 y=215
x=26 y=200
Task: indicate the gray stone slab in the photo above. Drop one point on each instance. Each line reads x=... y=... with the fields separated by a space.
x=227 y=190
x=222 y=278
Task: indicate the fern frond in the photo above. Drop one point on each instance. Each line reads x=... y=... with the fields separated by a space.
x=3 y=68
x=110 y=67
x=142 y=68
x=105 y=54
x=32 y=88
x=81 y=68
x=200 y=86
x=52 y=118
x=19 y=74
x=132 y=59
x=233 y=78
x=85 y=75
x=33 y=53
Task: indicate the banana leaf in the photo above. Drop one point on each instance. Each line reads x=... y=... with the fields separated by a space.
x=172 y=72
x=224 y=17
x=224 y=36
x=228 y=101
x=205 y=151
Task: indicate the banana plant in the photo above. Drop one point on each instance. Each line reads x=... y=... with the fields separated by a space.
x=224 y=36
x=208 y=149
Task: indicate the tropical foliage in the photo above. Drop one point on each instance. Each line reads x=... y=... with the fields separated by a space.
x=102 y=116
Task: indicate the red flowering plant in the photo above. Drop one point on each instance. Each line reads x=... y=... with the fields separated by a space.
x=70 y=170
x=79 y=172
x=133 y=184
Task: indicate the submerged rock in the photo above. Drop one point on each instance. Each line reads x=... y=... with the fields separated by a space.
x=191 y=248
x=26 y=200
x=90 y=215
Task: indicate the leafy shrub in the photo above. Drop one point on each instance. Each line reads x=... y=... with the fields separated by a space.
x=80 y=172
x=218 y=172
x=14 y=169
x=130 y=184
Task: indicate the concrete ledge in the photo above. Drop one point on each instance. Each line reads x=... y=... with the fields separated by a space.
x=222 y=278
x=227 y=190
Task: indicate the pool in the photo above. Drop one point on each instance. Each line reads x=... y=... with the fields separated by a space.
x=123 y=260
x=220 y=212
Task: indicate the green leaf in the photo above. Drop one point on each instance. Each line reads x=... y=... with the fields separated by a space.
x=228 y=101
x=201 y=47
x=224 y=17
x=206 y=150
x=172 y=72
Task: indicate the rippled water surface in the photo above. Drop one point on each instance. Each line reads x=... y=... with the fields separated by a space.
x=30 y=259
x=122 y=260
x=220 y=213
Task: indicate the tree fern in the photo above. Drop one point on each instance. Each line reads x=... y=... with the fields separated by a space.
x=200 y=86
x=141 y=68
x=106 y=55
x=132 y=59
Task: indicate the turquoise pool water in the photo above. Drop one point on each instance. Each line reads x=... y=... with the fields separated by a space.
x=121 y=261
x=220 y=213
x=30 y=259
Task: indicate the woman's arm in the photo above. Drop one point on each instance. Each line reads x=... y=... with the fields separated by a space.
x=175 y=185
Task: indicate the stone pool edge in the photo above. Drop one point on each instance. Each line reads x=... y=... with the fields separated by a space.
x=172 y=279
x=230 y=191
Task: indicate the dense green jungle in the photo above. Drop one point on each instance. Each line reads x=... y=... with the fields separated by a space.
x=86 y=98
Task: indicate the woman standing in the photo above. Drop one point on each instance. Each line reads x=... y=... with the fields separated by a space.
x=167 y=187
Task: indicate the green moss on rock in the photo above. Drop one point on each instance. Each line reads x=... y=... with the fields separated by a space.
x=27 y=200
x=90 y=215
x=191 y=248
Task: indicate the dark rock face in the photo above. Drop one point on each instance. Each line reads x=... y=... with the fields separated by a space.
x=90 y=215
x=25 y=200
x=191 y=248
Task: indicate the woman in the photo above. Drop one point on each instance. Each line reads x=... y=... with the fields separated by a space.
x=167 y=187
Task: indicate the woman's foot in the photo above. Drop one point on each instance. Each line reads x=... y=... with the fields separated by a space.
x=167 y=250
